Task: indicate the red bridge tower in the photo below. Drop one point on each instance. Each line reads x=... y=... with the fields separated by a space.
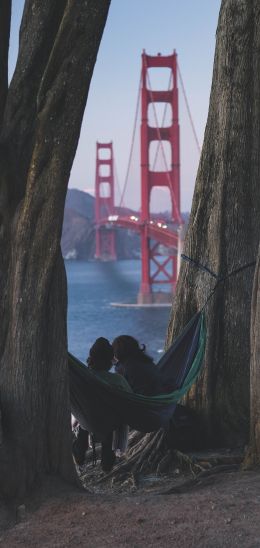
x=154 y=269
x=104 y=205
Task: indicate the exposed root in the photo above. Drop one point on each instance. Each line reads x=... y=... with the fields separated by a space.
x=251 y=460
x=203 y=479
x=134 y=438
x=187 y=462
x=139 y=458
x=150 y=454
x=164 y=463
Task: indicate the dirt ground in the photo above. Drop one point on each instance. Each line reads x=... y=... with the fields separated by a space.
x=220 y=510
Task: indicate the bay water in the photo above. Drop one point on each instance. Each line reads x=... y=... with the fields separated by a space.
x=92 y=287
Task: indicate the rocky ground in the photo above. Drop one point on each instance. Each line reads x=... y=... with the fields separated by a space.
x=214 y=510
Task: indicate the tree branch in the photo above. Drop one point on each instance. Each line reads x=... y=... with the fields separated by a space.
x=40 y=24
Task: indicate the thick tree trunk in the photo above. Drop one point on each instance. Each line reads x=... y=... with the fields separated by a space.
x=253 y=456
x=39 y=135
x=225 y=225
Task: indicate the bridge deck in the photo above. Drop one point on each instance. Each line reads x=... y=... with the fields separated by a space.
x=156 y=230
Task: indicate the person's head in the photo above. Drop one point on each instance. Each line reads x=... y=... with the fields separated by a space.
x=101 y=355
x=126 y=347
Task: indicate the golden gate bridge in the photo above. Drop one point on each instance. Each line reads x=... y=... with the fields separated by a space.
x=161 y=239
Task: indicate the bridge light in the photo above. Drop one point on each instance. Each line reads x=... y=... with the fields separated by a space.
x=164 y=226
x=159 y=224
x=113 y=217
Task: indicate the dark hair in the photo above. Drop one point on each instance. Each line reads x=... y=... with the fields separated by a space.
x=101 y=355
x=126 y=347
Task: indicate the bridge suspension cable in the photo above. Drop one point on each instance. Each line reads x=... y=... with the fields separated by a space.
x=132 y=144
x=188 y=110
x=117 y=180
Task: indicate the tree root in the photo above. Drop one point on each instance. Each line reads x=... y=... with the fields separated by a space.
x=188 y=463
x=139 y=458
x=251 y=460
x=203 y=479
x=134 y=438
x=147 y=454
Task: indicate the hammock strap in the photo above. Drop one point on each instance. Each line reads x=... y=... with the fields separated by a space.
x=224 y=278
x=220 y=279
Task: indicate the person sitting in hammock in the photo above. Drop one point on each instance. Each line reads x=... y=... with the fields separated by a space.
x=100 y=362
x=136 y=366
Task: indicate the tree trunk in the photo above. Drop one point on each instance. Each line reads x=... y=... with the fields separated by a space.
x=253 y=456
x=40 y=129
x=224 y=226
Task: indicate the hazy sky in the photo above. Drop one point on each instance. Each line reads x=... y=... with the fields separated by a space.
x=188 y=26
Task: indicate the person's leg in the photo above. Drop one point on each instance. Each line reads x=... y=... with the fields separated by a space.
x=120 y=440
x=80 y=446
x=107 y=454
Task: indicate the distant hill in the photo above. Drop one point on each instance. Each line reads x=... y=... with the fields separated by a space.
x=78 y=241
x=80 y=202
x=77 y=236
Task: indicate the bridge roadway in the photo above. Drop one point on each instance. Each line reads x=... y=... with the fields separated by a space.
x=156 y=230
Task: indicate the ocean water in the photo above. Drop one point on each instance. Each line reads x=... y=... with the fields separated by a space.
x=92 y=287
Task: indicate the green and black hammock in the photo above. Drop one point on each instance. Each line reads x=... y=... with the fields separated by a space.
x=100 y=407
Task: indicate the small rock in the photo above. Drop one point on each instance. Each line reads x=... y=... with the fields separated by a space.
x=228 y=520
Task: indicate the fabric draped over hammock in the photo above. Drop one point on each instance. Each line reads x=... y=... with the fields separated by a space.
x=101 y=407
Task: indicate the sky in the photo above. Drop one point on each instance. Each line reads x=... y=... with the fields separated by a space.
x=189 y=27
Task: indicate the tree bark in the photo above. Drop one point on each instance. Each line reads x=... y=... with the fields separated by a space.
x=253 y=455
x=224 y=226
x=39 y=134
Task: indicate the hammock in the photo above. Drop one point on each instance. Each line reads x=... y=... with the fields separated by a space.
x=100 y=407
